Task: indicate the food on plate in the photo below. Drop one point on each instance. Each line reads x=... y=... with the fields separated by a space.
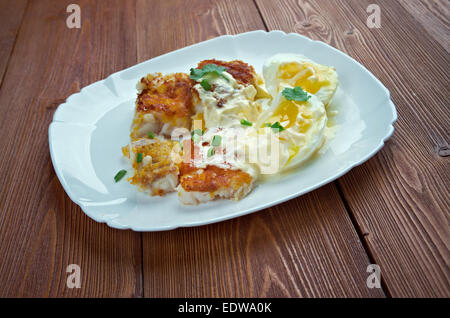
x=215 y=167
x=200 y=185
x=302 y=119
x=215 y=132
x=293 y=70
x=224 y=93
x=163 y=103
x=155 y=171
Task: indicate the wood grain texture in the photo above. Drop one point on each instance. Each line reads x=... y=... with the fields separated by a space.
x=434 y=17
x=399 y=199
x=303 y=248
x=307 y=247
x=41 y=230
x=11 y=14
x=181 y=24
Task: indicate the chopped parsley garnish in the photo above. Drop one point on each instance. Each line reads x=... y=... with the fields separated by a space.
x=211 y=152
x=296 y=93
x=278 y=126
x=139 y=158
x=205 y=84
x=197 y=74
x=151 y=135
x=216 y=141
x=120 y=175
x=198 y=132
x=245 y=122
x=196 y=138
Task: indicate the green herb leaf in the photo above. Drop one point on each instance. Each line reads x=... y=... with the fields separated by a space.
x=151 y=135
x=296 y=93
x=216 y=140
x=213 y=68
x=277 y=126
x=199 y=132
x=211 y=152
x=205 y=84
x=120 y=175
x=245 y=122
x=139 y=158
x=197 y=74
x=196 y=138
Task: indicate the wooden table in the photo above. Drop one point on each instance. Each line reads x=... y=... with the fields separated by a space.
x=392 y=211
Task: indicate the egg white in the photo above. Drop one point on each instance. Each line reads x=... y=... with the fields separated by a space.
x=304 y=134
x=310 y=76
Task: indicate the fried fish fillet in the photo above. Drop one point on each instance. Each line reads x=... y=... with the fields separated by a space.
x=200 y=185
x=209 y=182
x=163 y=103
x=155 y=169
x=242 y=72
x=231 y=96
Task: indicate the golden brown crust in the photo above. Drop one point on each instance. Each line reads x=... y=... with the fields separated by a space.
x=170 y=95
x=241 y=72
x=166 y=101
x=160 y=163
x=211 y=178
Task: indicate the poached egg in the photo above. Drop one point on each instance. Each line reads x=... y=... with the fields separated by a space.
x=291 y=70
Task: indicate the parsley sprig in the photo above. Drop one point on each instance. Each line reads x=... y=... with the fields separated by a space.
x=296 y=94
x=197 y=74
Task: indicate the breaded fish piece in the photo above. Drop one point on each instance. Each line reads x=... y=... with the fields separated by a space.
x=163 y=103
x=231 y=96
x=210 y=183
x=203 y=184
x=155 y=170
x=242 y=72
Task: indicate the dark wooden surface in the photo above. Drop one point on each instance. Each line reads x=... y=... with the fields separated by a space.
x=391 y=211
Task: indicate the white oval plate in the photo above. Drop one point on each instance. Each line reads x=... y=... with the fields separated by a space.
x=89 y=129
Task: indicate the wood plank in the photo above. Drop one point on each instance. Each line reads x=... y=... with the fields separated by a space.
x=306 y=247
x=182 y=25
x=433 y=15
x=42 y=231
x=11 y=13
x=399 y=199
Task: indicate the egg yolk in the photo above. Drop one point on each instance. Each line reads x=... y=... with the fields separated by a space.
x=293 y=151
x=302 y=75
x=286 y=111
